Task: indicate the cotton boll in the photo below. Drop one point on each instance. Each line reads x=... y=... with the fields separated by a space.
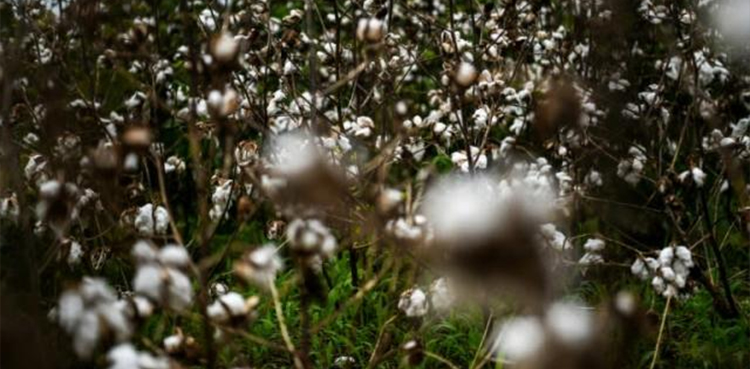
x=684 y=254
x=174 y=255
x=519 y=338
x=441 y=296
x=699 y=177
x=148 y=281
x=144 y=252
x=658 y=284
x=639 y=269
x=161 y=220
x=594 y=244
x=666 y=255
x=570 y=323
x=225 y=47
x=413 y=303
x=667 y=273
x=180 y=290
x=259 y=267
x=462 y=208
x=466 y=74
x=173 y=344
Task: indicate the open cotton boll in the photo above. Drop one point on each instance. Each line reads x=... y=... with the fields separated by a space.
x=225 y=47
x=594 y=244
x=570 y=323
x=291 y=153
x=174 y=255
x=260 y=266
x=462 y=208
x=466 y=74
x=413 y=303
x=519 y=338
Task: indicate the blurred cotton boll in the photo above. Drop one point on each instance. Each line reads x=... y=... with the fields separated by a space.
x=462 y=208
x=518 y=339
x=90 y=312
x=260 y=266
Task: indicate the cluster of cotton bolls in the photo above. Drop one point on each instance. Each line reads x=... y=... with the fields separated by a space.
x=90 y=310
x=161 y=276
x=668 y=272
x=416 y=303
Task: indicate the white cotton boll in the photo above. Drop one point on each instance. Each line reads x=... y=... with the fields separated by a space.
x=144 y=252
x=75 y=254
x=115 y=320
x=413 y=303
x=144 y=220
x=143 y=307
x=441 y=296
x=161 y=220
x=670 y=291
x=591 y=258
x=148 y=281
x=652 y=264
x=667 y=273
x=173 y=343
x=123 y=356
x=519 y=338
x=666 y=255
x=370 y=29
x=131 y=162
x=215 y=100
x=658 y=284
x=174 y=164
x=699 y=177
x=180 y=290
x=174 y=255
x=684 y=254
x=225 y=47
x=639 y=269
x=466 y=74
x=86 y=334
x=217 y=313
x=69 y=310
x=594 y=244
x=462 y=208
x=570 y=323
x=235 y=303
x=292 y=153
x=625 y=303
